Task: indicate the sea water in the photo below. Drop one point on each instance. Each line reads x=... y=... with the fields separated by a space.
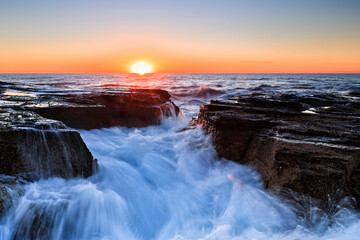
x=161 y=182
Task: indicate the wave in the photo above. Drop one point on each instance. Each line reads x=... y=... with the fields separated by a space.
x=161 y=183
x=206 y=91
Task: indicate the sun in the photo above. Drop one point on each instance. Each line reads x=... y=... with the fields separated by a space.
x=141 y=68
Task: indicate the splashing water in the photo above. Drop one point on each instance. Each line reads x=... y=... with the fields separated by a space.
x=188 y=91
x=162 y=183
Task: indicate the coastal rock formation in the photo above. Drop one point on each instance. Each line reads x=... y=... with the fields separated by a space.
x=131 y=108
x=31 y=143
x=35 y=147
x=35 y=144
x=93 y=109
x=309 y=144
x=11 y=188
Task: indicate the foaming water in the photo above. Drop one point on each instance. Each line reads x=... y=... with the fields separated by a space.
x=189 y=91
x=162 y=183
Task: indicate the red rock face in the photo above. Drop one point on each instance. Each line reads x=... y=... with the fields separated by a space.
x=308 y=144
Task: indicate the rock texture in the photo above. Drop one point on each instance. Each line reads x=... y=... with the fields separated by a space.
x=41 y=148
x=309 y=144
x=11 y=188
x=93 y=109
x=131 y=108
x=30 y=142
x=35 y=141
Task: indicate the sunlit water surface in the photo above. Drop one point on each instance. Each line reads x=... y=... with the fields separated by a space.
x=162 y=183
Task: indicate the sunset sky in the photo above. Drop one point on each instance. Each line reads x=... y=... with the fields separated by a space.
x=187 y=36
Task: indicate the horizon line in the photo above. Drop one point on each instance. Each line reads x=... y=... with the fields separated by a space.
x=181 y=73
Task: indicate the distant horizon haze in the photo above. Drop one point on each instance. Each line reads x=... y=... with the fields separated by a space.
x=185 y=73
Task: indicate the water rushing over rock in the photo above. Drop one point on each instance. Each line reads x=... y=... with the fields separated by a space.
x=159 y=183
x=33 y=147
x=130 y=108
x=41 y=148
x=166 y=181
x=315 y=153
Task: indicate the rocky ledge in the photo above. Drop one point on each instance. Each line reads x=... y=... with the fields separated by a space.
x=35 y=147
x=11 y=188
x=309 y=144
x=93 y=109
x=130 y=108
x=35 y=141
x=32 y=147
x=34 y=134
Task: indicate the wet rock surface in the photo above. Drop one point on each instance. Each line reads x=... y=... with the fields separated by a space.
x=133 y=108
x=94 y=109
x=30 y=144
x=309 y=144
x=35 y=141
x=11 y=188
x=34 y=134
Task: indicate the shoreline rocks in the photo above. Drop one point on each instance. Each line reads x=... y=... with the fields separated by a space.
x=309 y=144
x=34 y=136
x=35 y=141
x=11 y=188
x=93 y=109
x=42 y=148
x=131 y=108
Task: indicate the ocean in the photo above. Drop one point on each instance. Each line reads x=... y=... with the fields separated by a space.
x=162 y=183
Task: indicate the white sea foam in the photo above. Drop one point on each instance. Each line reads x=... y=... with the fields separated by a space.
x=158 y=183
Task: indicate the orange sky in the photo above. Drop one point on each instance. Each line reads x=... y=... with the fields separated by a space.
x=209 y=38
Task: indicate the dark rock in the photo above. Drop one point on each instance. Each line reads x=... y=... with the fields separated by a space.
x=33 y=147
x=191 y=125
x=128 y=107
x=44 y=148
x=308 y=144
x=136 y=108
x=5 y=84
x=11 y=188
x=355 y=93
